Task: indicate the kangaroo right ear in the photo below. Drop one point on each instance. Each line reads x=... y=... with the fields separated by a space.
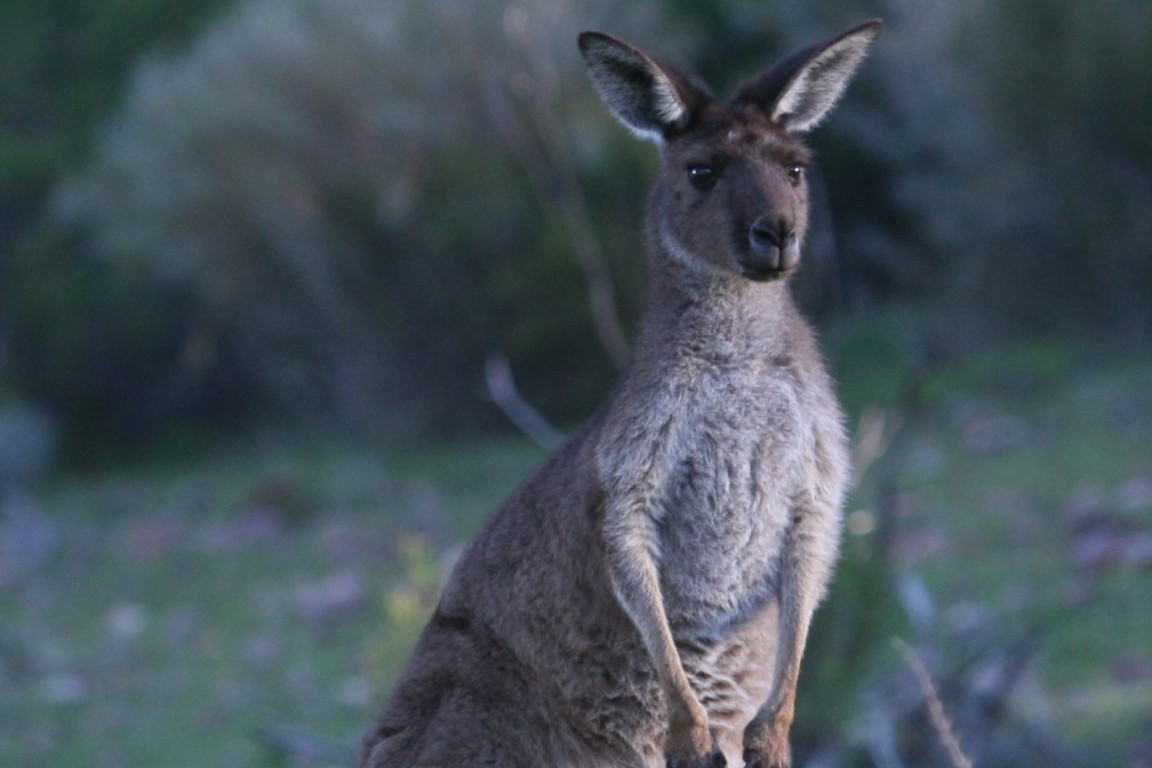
x=800 y=91
x=650 y=99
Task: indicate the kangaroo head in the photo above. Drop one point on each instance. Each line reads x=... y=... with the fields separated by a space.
x=730 y=196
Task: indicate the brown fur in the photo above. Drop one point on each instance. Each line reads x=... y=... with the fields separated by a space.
x=643 y=598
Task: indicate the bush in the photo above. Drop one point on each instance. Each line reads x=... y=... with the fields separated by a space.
x=364 y=199
x=89 y=343
x=367 y=197
x=1015 y=137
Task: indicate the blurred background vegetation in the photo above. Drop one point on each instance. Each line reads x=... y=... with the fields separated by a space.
x=254 y=255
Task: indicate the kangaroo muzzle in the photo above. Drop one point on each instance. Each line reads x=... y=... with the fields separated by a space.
x=773 y=249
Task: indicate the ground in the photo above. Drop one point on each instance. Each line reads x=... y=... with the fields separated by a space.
x=250 y=606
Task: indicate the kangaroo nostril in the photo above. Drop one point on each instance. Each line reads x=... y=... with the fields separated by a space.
x=765 y=232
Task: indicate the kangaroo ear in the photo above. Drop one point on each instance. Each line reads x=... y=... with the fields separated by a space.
x=650 y=99
x=800 y=91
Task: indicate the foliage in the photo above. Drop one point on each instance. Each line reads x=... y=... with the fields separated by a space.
x=87 y=341
x=364 y=215
x=1021 y=160
x=1076 y=121
x=63 y=68
x=312 y=195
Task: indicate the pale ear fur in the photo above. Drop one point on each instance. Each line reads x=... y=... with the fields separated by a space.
x=818 y=85
x=800 y=91
x=650 y=99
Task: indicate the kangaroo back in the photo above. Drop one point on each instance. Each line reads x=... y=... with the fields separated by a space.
x=644 y=597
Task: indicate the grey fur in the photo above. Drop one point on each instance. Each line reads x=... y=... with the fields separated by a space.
x=643 y=598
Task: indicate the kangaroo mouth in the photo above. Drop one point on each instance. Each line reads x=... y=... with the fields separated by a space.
x=764 y=275
x=768 y=264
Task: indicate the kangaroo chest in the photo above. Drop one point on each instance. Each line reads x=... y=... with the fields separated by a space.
x=735 y=465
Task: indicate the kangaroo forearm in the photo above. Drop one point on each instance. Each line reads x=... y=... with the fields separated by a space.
x=636 y=584
x=805 y=571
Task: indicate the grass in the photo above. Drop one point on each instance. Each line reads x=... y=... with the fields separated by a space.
x=178 y=616
x=173 y=616
x=1024 y=461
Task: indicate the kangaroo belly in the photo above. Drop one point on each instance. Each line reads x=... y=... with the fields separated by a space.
x=732 y=675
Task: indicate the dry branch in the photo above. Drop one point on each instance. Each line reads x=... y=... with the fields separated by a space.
x=936 y=713
x=503 y=392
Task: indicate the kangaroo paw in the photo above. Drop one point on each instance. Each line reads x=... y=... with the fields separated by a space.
x=773 y=756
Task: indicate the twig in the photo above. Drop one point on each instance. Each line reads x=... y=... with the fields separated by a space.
x=874 y=435
x=935 y=707
x=502 y=391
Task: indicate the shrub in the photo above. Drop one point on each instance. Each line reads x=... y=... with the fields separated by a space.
x=368 y=196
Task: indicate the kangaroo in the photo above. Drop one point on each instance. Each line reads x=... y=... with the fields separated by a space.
x=643 y=598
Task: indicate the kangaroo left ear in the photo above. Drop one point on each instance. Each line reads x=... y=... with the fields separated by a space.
x=652 y=100
x=800 y=91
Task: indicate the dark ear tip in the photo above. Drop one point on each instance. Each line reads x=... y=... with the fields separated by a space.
x=873 y=25
x=589 y=39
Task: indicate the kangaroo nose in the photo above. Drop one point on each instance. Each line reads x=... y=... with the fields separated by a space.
x=773 y=249
x=766 y=233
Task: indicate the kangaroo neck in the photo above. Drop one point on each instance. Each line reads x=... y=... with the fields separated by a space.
x=708 y=314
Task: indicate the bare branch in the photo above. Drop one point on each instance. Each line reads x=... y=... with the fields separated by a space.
x=502 y=391
x=935 y=707
x=874 y=435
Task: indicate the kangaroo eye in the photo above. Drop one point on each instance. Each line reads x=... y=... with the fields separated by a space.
x=795 y=173
x=702 y=177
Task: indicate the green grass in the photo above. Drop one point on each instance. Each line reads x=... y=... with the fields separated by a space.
x=178 y=614
x=1009 y=511
x=180 y=611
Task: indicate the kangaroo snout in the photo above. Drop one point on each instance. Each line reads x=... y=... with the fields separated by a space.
x=774 y=249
